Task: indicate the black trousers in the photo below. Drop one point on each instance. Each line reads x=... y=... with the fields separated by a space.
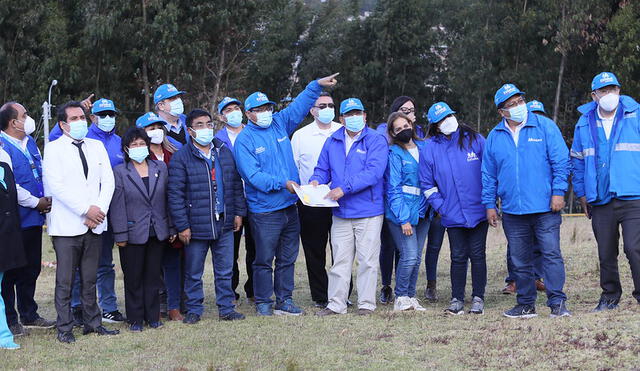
x=606 y=221
x=250 y=256
x=141 y=265
x=75 y=252
x=315 y=225
x=20 y=283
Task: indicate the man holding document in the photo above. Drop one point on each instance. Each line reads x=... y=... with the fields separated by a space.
x=352 y=163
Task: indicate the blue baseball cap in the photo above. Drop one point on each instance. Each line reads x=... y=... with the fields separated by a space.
x=165 y=91
x=227 y=101
x=439 y=111
x=257 y=99
x=604 y=79
x=505 y=92
x=148 y=119
x=350 y=104
x=536 y=106
x=103 y=104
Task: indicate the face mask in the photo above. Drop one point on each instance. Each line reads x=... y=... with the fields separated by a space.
x=263 y=119
x=156 y=135
x=326 y=115
x=608 y=103
x=78 y=129
x=404 y=136
x=354 y=123
x=176 y=107
x=204 y=136
x=518 y=113
x=449 y=125
x=29 y=126
x=138 y=154
x=234 y=118
x=106 y=124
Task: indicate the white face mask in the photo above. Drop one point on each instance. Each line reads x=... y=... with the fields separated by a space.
x=156 y=135
x=608 y=103
x=449 y=125
x=29 y=126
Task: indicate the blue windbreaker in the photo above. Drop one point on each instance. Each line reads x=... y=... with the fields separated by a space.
x=403 y=202
x=525 y=177
x=359 y=174
x=264 y=156
x=451 y=178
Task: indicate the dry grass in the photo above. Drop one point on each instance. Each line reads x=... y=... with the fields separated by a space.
x=385 y=340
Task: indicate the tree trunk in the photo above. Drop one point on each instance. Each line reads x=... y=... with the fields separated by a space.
x=145 y=76
x=556 y=104
x=216 y=89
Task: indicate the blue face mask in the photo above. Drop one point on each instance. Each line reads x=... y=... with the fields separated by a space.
x=107 y=124
x=354 y=123
x=176 y=107
x=263 y=119
x=326 y=115
x=518 y=113
x=234 y=118
x=204 y=136
x=78 y=129
x=138 y=154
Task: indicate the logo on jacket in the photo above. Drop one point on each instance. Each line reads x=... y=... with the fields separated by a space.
x=280 y=140
x=471 y=156
x=535 y=139
x=259 y=150
x=630 y=115
x=361 y=151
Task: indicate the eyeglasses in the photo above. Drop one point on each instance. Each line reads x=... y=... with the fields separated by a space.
x=264 y=108
x=406 y=110
x=202 y=125
x=514 y=103
x=105 y=115
x=325 y=105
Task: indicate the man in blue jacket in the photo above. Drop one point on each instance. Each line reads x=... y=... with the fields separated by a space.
x=265 y=161
x=606 y=178
x=206 y=204
x=20 y=283
x=526 y=165
x=169 y=106
x=353 y=161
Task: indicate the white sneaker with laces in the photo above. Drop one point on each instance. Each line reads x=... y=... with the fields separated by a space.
x=416 y=305
x=402 y=303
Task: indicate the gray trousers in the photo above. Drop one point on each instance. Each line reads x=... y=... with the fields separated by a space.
x=82 y=252
x=606 y=221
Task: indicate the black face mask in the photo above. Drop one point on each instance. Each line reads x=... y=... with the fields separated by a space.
x=404 y=136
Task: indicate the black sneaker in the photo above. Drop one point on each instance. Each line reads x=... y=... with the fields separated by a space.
x=66 y=337
x=232 y=316
x=560 y=310
x=17 y=330
x=386 y=295
x=156 y=325
x=320 y=304
x=521 y=311
x=40 y=323
x=136 y=327
x=113 y=317
x=191 y=318
x=77 y=317
x=605 y=304
x=100 y=330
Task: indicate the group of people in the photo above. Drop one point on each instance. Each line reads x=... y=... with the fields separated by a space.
x=171 y=189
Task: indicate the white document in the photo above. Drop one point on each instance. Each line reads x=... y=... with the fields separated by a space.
x=314 y=196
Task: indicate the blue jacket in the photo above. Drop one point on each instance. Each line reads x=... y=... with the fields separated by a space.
x=265 y=158
x=223 y=135
x=111 y=140
x=451 y=178
x=624 y=156
x=403 y=202
x=359 y=174
x=525 y=177
x=190 y=194
x=182 y=120
x=24 y=176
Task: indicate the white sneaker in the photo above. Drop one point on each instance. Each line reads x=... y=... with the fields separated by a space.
x=416 y=305
x=402 y=303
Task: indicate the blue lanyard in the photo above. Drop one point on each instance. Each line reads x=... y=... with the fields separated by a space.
x=14 y=142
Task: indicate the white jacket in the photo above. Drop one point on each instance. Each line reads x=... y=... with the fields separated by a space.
x=72 y=194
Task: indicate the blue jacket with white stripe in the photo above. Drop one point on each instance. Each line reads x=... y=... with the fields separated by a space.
x=403 y=202
x=624 y=158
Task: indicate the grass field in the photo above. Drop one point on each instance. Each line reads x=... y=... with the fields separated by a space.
x=386 y=340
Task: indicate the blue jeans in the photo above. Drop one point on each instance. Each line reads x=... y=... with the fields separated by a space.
x=195 y=254
x=6 y=337
x=520 y=230
x=468 y=244
x=276 y=235
x=434 y=243
x=537 y=263
x=171 y=267
x=388 y=255
x=410 y=253
x=105 y=282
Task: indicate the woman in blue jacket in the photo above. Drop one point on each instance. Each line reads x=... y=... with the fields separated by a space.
x=405 y=208
x=450 y=176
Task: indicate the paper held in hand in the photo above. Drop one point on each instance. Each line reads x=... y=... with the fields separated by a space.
x=314 y=196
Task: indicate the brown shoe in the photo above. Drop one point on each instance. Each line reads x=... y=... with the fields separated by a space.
x=174 y=315
x=509 y=288
x=364 y=312
x=540 y=285
x=326 y=312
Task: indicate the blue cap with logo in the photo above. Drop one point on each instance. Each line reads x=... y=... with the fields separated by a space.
x=149 y=118
x=257 y=99
x=604 y=79
x=227 y=101
x=351 y=104
x=165 y=91
x=439 y=111
x=103 y=104
x=535 y=106
x=505 y=92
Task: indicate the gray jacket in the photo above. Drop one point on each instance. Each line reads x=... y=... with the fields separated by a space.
x=133 y=207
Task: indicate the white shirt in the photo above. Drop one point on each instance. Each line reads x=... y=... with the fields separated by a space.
x=348 y=140
x=232 y=136
x=25 y=198
x=72 y=194
x=607 y=124
x=415 y=153
x=307 y=144
x=515 y=134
